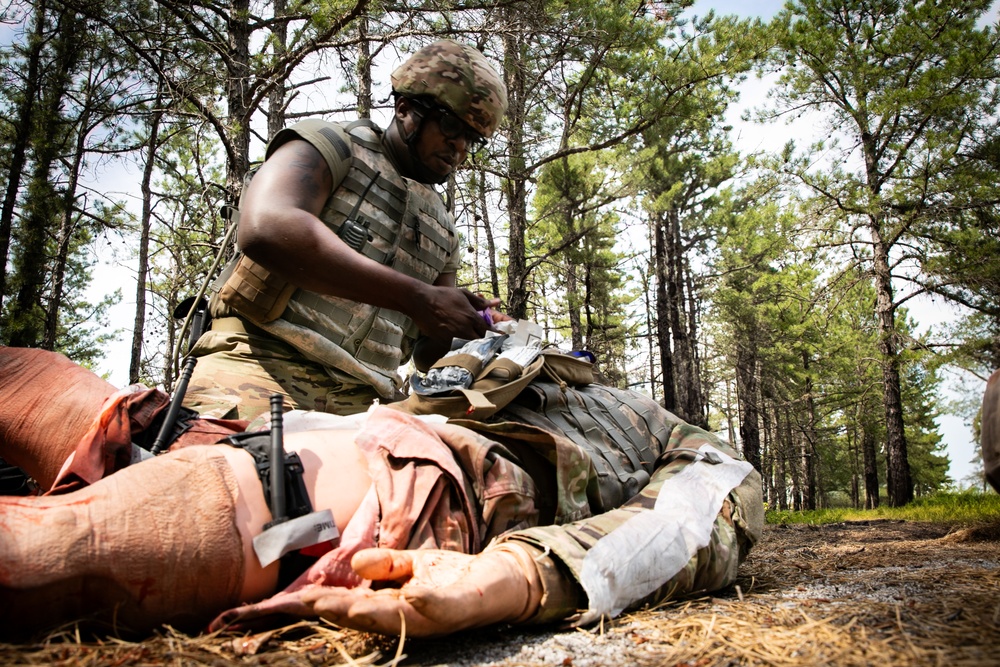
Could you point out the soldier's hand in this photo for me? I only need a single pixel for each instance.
(433, 592)
(450, 312)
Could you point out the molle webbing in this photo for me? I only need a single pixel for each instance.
(365, 139)
(624, 450)
(409, 227)
(329, 139)
(409, 230)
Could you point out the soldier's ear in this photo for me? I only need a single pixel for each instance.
(408, 120)
(403, 108)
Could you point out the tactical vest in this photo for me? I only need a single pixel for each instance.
(623, 432)
(627, 436)
(409, 229)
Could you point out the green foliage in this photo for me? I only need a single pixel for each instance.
(967, 507)
(619, 119)
(909, 92)
(185, 239)
(928, 464)
(573, 241)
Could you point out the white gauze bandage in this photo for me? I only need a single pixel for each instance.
(651, 547)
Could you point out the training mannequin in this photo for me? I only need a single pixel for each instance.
(437, 522)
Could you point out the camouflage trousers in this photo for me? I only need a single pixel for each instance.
(237, 372)
(567, 492)
(560, 551)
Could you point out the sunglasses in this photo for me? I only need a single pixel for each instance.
(453, 127)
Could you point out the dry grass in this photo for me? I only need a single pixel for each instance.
(869, 593)
(863, 593)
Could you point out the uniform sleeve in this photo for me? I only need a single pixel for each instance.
(685, 532)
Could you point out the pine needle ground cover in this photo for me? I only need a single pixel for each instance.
(875, 591)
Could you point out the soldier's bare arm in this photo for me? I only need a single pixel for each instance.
(280, 229)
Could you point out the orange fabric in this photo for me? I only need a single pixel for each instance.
(107, 446)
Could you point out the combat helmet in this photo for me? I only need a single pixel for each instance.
(459, 78)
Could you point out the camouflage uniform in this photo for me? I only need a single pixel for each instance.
(237, 373)
(322, 352)
(586, 517)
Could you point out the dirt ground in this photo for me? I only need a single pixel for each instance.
(861, 593)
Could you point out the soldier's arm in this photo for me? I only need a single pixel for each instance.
(280, 229)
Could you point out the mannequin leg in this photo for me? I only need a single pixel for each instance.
(158, 542)
(47, 404)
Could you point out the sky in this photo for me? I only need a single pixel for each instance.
(748, 137)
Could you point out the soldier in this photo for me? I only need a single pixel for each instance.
(989, 434)
(603, 502)
(349, 254)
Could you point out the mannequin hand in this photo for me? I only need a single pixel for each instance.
(439, 592)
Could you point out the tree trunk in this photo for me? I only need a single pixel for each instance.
(808, 474)
(515, 186)
(650, 348)
(238, 97)
(781, 464)
(697, 406)
(729, 413)
(663, 315)
(574, 302)
(854, 454)
(898, 480)
(20, 137)
(768, 466)
(871, 468)
(675, 316)
(145, 226)
(364, 70)
(25, 313)
(276, 96)
(64, 238)
(793, 454)
(491, 249)
(809, 440)
(26, 323)
(747, 390)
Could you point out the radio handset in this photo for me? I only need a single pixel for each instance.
(354, 233)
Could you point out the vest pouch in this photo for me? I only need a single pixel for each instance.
(254, 292)
(495, 389)
(565, 369)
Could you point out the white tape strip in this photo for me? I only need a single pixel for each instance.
(297, 533)
(140, 454)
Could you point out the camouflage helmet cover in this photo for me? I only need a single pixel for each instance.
(459, 78)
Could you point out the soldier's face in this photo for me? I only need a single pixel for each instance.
(439, 153)
(443, 141)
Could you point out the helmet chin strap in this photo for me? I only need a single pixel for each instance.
(419, 170)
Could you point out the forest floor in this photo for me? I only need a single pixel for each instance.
(883, 592)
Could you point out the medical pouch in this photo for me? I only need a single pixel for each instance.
(497, 384)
